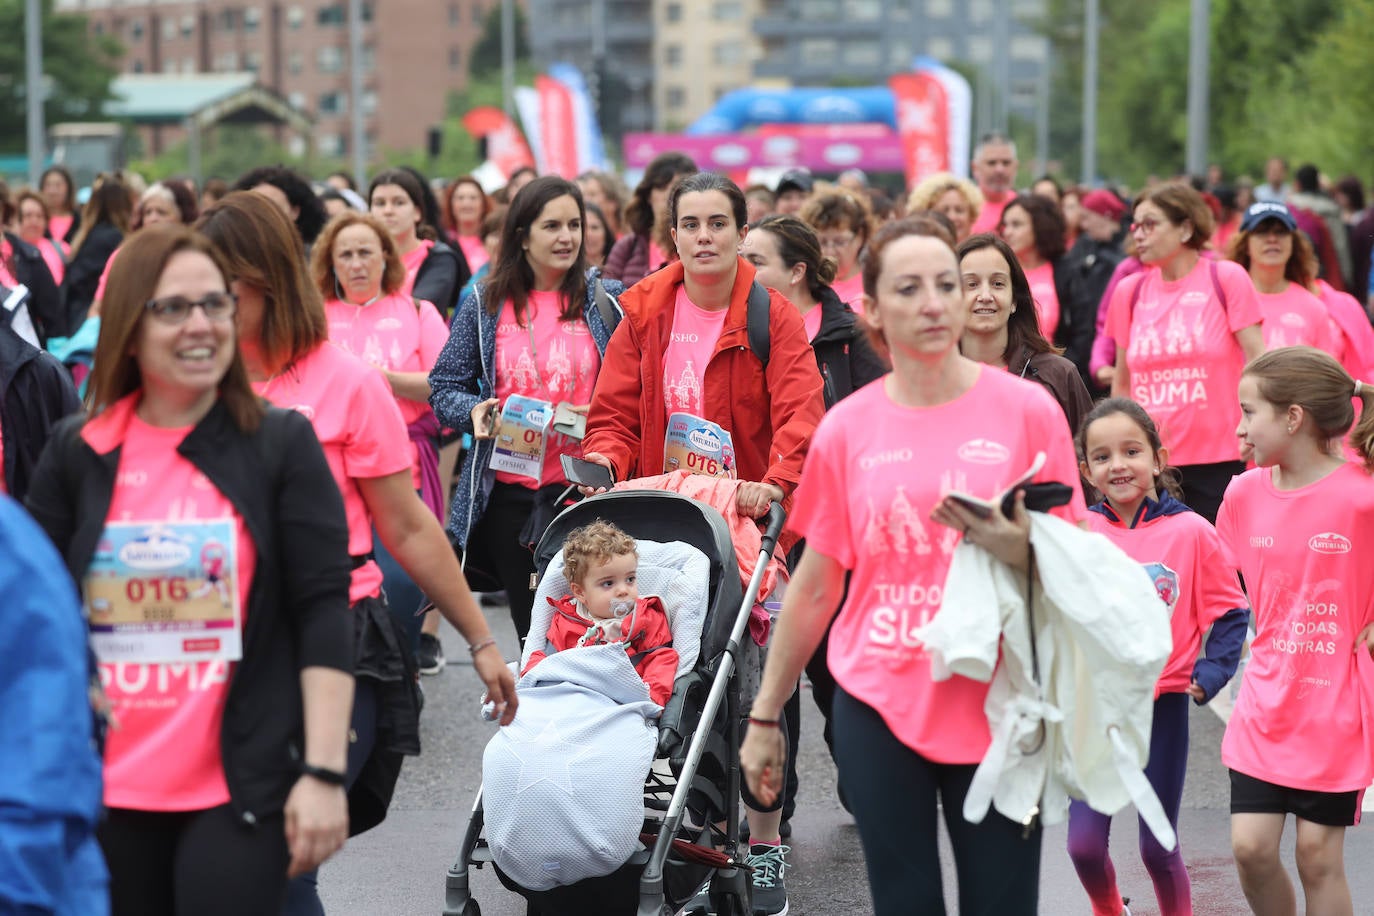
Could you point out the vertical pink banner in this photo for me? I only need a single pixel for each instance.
(922, 122)
(557, 127)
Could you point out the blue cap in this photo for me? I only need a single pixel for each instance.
(1267, 209)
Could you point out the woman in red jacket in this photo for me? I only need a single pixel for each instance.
(681, 387)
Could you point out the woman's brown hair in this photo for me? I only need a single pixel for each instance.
(322, 255)
(1182, 203)
(109, 203)
(133, 280)
(1313, 380)
(1302, 261)
(446, 215)
(511, 276)
(261, 248)
(840, 209)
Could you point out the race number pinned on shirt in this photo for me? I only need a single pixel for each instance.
(697, 445)
(166, 593)
(524, 431)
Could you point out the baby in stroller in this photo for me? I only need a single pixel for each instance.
(601, 564)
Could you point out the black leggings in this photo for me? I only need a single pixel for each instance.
(895, 793)
(494, 548)
(193, 863)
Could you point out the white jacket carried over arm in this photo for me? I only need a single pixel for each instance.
(1102, 637)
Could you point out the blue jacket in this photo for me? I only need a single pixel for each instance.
(50, 781)
(465, 375)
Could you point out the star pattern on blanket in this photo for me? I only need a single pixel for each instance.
(547, 757)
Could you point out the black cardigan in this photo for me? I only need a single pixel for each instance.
(37, 393)
(846, 360)
(441, 277)
(297, 612)
(83, 275)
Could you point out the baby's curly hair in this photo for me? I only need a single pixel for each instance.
(594, 543)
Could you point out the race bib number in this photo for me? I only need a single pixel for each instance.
(524, 431)
(697, 445)
(165, 593)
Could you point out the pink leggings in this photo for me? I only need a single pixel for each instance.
(1089, 830)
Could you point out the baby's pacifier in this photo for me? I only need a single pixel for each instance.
(622, 608)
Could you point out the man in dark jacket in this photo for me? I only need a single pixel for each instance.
(1085, 271)
(35, 392)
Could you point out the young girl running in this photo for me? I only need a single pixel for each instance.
(1123, 458)
(1300, 529)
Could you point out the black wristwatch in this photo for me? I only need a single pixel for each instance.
(332, 777)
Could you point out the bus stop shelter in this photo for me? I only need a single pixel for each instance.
(197, 102)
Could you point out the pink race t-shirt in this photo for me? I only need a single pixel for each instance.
(413, 261)
(396, 334)
(1046, 298)
(1295, 318)
(1353, 337)
(104, 277)
(1184, 360)
(874, 473)
(53, 255)
(990, 217)
(58, 226)
(549, 359)
(1184, 557)
(690, 347)
(165, 753)
(812, 322)
(656, 257)
(851, 291)
(473, 251)
(360, 428)
(1303, 717)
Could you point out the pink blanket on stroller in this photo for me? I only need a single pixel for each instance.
(719, 494)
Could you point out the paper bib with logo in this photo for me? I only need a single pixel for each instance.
(166, 592)
(524, 433)
(697, 445)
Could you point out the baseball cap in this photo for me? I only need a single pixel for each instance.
(1267, 209)
(795, 180)
(1103, 203)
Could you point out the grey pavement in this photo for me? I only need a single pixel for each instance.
(398, 868)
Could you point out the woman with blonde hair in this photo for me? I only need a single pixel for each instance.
(955, 198)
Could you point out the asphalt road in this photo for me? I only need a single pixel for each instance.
(398, 869)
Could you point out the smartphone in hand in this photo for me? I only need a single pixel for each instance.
(586, 473)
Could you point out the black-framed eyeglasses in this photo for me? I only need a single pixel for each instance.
(176, 309)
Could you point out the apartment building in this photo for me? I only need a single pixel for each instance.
(414, 53)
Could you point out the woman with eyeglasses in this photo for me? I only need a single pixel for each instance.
(1184, 328)
(843, 223)
(284, 337)
(360, 274)
(210, 545)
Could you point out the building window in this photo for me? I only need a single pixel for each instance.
(252, 61)
(329, 59)
(980, 49)
(729, 53)
(296, 99)
(672, 55)
(188, 26)
(99, 27)
(818, 9)
(818, 49)
(980, 10)
(188, 65)
(676, 97)
(169, 29)
(455, 59)
(138, 66)
(1028, 47)
(295, 17)
(252, 17)
(369, 58)
(367, 102)
(226, 20)
(673, 12)
(455, 15)
(865, 10)
(136, 29)
(330, 144)
(333, 103)
(939, 9)
(940, 48)
(728, 11)
(862, 53)
(331, 15)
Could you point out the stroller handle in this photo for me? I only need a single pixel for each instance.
(777, 517)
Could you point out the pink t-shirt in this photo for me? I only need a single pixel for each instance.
(360, 428)
(1184, 557)
(395, 334)
(873, 475)
(413, 261)
(1295, 318)
(1046, 298)
(656, 257)
(6, 256)
(53, 258)
(104, 277)
(474, 251)
(851, 291)
(1352, 336)
(165, 754)
(693, 342)
(549, 359)
(1184, 360)
(812, 322)
(58, 226)
(990, 217)
(1303, 717)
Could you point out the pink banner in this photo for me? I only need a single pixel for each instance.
(922, 122)
(829, 149)
(557, 128)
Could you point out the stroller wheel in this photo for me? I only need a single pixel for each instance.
(472, 909)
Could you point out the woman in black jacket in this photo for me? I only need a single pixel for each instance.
(104, 223)
(209, 540)
(435, 272)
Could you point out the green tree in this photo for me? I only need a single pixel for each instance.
(79, 67)
(486, 54)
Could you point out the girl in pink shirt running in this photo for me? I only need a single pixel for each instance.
(1300, 529)
(1123, 457)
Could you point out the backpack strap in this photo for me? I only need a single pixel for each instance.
(610, 316)
(756, 322)
(1216, 285)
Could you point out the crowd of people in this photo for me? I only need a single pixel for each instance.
(276, 430)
